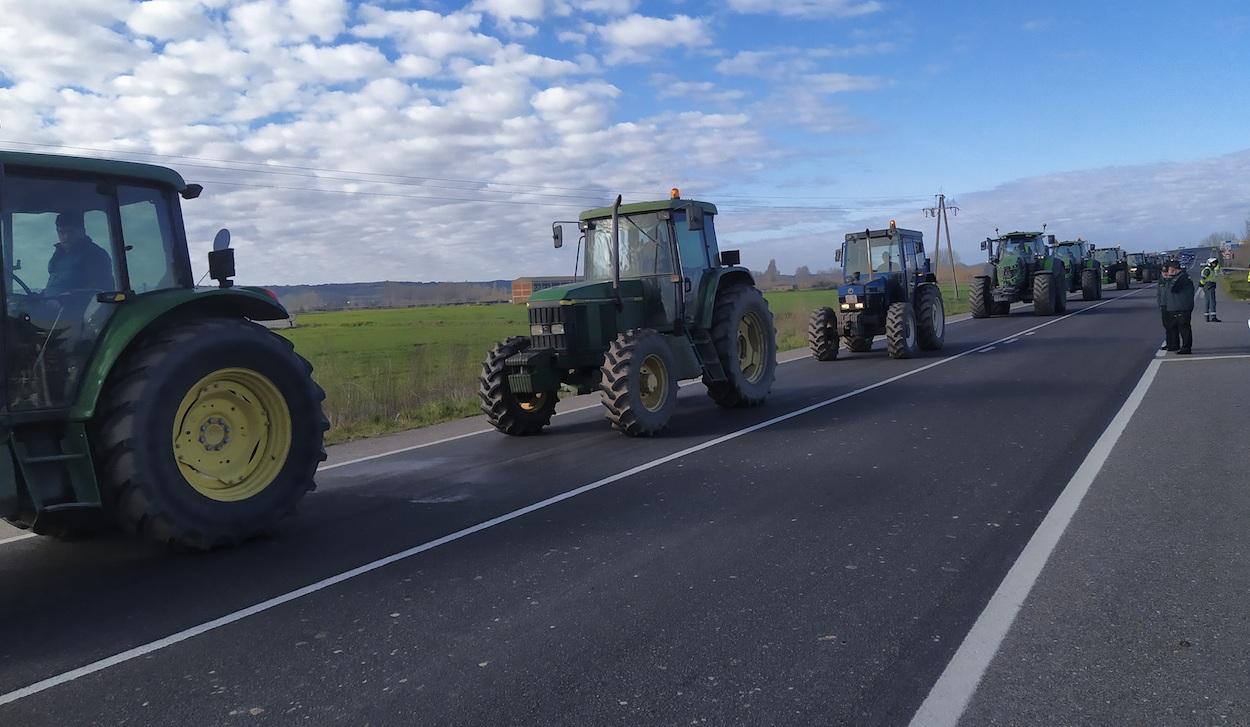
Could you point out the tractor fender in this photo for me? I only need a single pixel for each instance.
(719, 279)
(143, 313)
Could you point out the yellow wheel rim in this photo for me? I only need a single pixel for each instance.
(653, 383)
(531, 402)
(751, 347)
(231, 434)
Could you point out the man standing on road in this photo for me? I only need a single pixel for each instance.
(1206, 281)
(1176, 303)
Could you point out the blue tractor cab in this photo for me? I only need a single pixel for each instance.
(888, 289)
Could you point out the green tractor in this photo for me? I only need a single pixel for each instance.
(1144, 267)
(1114, 266)
(1020, 268)
(1084, 273)
(656, 303)
(888, 288)
(131, 396)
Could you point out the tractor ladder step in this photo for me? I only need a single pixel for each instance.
(708, 356)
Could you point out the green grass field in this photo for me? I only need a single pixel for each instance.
(385, 370)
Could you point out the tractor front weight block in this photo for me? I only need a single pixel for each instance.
(537, 372)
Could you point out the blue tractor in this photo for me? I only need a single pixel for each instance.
(888, 289)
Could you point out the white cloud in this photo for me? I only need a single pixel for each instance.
(807, 8)
(169, 19)
(635, 38)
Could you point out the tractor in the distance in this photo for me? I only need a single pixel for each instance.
(131, 396)
(888, 288)
(1084, 274)
(1144, 267)
(656, 302)
(1114, 266)
(1020, 268)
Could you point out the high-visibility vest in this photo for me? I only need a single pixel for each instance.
(1206, 275)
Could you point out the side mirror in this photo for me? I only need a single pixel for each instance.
(557, 235)
(221, 259)
(730, 257)
(222, 239)
(694, 217)
(192, 191)
(985, 244)
(837, 255)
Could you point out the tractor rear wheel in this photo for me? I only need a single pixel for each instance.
(1089, 285)
(207, 433)
(1121, 280)
(900, 331)
(637, 385)
(859, 344)
(980, 300)
(515, 414)
(1043, 294)
(931, 312)
(746, 341)
(822, 334)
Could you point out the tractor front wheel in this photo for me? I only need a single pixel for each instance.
(207, 433)
(1089, 285)
(1121, 280)
(637, 385)
(1044, 299)
(515, 414)
(932, 314)
(900, 331)
(746, 342)
(979, 299)
(822, 334)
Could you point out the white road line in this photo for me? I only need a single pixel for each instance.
(954, 688)
(987, 349)
(1012, 340)
(16, 538)
(488, 430)
(1186, 359)
(276, 601)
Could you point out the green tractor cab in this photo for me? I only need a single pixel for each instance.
(131, 396)
(1084, 273)
(1114, 266)
(655, 303)
(1144, 267)
(1020, 268)
(889, 288)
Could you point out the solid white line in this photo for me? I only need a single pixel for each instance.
(16, 538)
(239, 615)
(954, 689)
(1186, 359)
(987, 349)
(412, 448)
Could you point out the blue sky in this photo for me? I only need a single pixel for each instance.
(1115, 121)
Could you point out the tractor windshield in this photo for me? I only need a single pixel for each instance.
(1107, 257)
(864, 257)
(1067, 253)
(1021, 246)
(1136, 258)
(645, 247)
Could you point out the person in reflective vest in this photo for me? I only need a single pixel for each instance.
(1206, 281)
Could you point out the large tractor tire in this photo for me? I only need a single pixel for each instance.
(1121, 280)
(980, 300)
(900, 331)
(1043, 294)
(746, 341)
(859, 344)
(638, 385)
(207, 433)
(1090, 287)
(822, 334)
(515, 414)
(931, 315)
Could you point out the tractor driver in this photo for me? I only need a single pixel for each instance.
(78, 263)
(887, 263)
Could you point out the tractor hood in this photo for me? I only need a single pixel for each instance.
(875, 284)
(597, 290)
(1011, 268)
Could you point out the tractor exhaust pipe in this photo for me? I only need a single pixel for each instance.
(616, 252)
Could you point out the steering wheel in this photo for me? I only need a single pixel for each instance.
(22, 283)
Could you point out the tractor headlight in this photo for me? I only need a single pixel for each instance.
(846, 306)
(536, 330)
(557, 329)
(859, 306)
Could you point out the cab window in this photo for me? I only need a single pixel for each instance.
(146, 228)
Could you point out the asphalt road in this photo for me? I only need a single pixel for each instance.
(814, 561)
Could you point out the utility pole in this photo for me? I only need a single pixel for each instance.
(939, 211)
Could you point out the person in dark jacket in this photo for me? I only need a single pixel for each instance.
(78, 264)
(1176, 303)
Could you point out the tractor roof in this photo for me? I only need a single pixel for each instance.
(1021, 234)
(87, 165)
(883, 233)
(636, 207)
